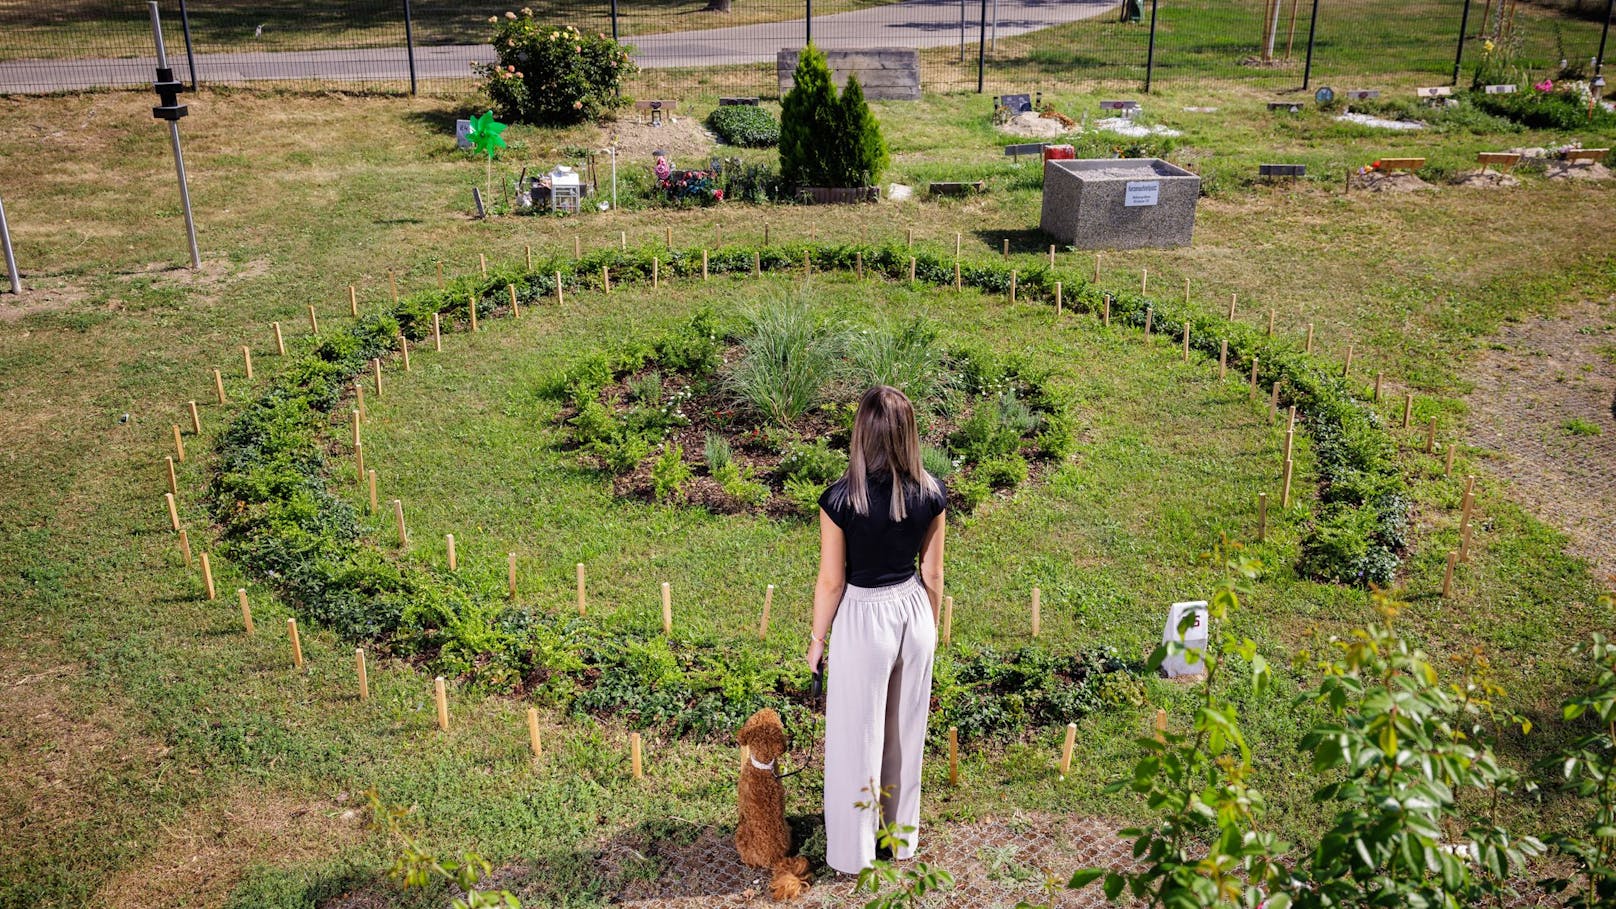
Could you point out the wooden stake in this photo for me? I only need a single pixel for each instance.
(948, 620)
(1291, 425)
(1273, 403)
(448, 542)
(765, 233)
(1186, 291)
(1453, 449)
(1464, 542)
(1007, 248)
(173, 482)
(1057, 297)
(376, 367)
(704, 265)
(179, 445)
(1105, 316)
(440, 276)
(1096, 268)
(1290, 440)
(622, 240)
(1149, 314)
(372, 474)
(561, 299)
(440, 693)
(218, 385)
(533, 734)
(635, 763)
(353, 301)
(398, 518)
(909, 237)
(196, 420)
(392, 279)
(956, 244)
(359, 402)
(1051, 255)
(953, 756)
(1233, 298)
(437, 332)
(1430, 438)
(667, 609)
(1012, 286)
(1144, 280)
(1223, 358)
(1309, 347)
(529, 249)
(510, 573)
(359, 461)
(606, 279)
(1161, 725)
(246, 358)
(958, 284)
(1262, 516)
(911, 269)
(1447, 576)
(1186, 341)
(364, 677)
(314, 322)
(1271, 315)
(656, 273)
(1253, 394)
(404, 348)
(471, 309)
(297, 643)
(1285, 493)
(280, 343)
(173, 512)
(1036, 611)
(207, 576)
(581, 593)
(757, 264)
(1346, 370)
(357, 417)
(246, 610)
(185, 546)
(669, 237)
(1408, 409)
(858, 265)
(1066, 750)
(768, 601)
(577, 247)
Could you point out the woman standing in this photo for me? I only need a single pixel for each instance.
(875, 523)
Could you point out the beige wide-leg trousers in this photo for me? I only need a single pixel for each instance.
(878, 692)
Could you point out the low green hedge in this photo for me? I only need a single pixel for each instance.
(279, 519)
(745, 125)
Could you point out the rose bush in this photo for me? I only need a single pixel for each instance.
(552, 76)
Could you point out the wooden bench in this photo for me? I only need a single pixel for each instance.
(1360, 94)
(1409, 164)
(885, 73)
(1585, 155)
(956, 189)
(1281, 171)
(1294, 107)
(656, 109)
(1504, 161)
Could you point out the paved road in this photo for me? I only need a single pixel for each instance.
(907, 23)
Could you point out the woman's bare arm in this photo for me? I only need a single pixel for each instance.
(931, 563)
(830, 585)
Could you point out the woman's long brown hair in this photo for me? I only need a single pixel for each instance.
(885, 440)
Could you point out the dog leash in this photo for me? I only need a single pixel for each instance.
(816, 692)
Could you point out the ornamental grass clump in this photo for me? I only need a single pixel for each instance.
(545, 75)
(788, 361)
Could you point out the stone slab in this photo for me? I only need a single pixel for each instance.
(885, 73)
(1119, 203)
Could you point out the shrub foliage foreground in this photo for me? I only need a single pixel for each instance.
(281, 520)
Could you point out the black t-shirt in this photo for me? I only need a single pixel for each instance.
(880, 551)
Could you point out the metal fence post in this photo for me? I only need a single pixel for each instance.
(1599, 61)
(614, 20)
(11, 258)
(1312, 25)
(1458, 56)
(1150, 49)
(409, 42)
(982, 48)
(808, 23)
(190, 55)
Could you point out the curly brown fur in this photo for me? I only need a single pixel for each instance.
(762, 837)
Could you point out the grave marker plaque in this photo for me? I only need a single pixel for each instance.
(463, 134)
(1506, 89)
(1193, 638)
(1016, 104)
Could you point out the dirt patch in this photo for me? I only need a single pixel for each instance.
(1576, 170)
(1542, 407)
(1033, 125)
(1395, 182)
(34, 301)
(1486, 179)
(682, 136)
(202, 860)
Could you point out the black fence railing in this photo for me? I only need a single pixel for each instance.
(729, 46)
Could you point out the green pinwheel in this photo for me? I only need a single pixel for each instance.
(485, 137)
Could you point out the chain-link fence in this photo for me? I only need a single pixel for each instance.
(729, 46)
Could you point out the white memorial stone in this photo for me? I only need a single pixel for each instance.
(1194, 638)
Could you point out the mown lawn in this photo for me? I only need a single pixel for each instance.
(153, 727)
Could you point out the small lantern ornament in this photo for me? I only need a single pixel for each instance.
(1595, 88)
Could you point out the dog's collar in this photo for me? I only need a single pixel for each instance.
(766, 768)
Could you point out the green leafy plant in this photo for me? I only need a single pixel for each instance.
(1587, 767)
(415, 868)
(826, 140)
(909, 883)
(1577, 426)
(646, 388)
(745, 125)
(804, 495)
(670, 473)
(1003, 471)
(549, 75)
(716, 452)
(905, 356)
(936, 461)
(817, 463)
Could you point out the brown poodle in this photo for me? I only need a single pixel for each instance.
(762, 837)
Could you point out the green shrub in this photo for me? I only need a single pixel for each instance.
(697, 347)
(994, 429)
(1342, 547)
(1577, 426)
(716, 452)
(1562, 110)
(804, 495)
(593, 422)
(1004, 471)
(549, 76)
(817, 463)
(670, 472)
(745, 125)
(904, 356)
(826, 141)
(646, 388)
(972, 493)
(936, 461)
(621, 452)
(736, 483)
(787, 362)
(1057, 440)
